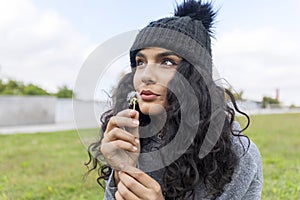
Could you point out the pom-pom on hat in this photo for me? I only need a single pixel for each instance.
(188, 33)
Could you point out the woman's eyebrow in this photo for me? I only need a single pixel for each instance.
(160, 55)
(139, 54)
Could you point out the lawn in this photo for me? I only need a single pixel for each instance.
(45, 166)
(278, 138)
(50, 165)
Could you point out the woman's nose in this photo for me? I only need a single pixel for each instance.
(149, 76)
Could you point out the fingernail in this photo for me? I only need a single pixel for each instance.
(134, 148)
(119, 172)
(135, 122)
(132, 112)
(136, 140)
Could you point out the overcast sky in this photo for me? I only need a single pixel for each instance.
(256, 47)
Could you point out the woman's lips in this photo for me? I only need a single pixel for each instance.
(148, 95)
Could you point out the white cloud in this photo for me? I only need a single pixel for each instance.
(39, 46)
(259, 61)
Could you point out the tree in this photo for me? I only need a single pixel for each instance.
(237, 95)
(64, 92)
(269, 101)
(2, 86)
(34, 90)
(12, 87)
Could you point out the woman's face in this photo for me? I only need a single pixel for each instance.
(155, 67)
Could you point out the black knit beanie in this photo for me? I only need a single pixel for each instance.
(188, 34)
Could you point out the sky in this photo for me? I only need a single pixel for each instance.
(255, 47)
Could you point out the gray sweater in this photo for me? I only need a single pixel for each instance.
(246, 184)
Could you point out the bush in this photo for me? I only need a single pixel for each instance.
(13, 87)
(64, 92)
(269, 101)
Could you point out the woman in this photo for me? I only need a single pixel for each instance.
(180, 141)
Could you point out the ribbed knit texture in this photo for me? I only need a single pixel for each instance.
(183, 35)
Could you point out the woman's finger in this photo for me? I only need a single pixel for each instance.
(120, 134)
(141, 177)
(132, 184)
(127, 113)
(125, 192)
(120, 121)
(118, 196)
(108, 148)
(119, 144)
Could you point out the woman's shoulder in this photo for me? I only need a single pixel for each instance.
(247, 180)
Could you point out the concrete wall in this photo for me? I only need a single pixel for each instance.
(89, 110)
(29, 110)
(87, 113)
(25, 110)
(64, 111)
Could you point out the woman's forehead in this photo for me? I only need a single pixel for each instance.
(156, 50)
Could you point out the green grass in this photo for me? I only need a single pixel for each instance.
(278, 138)
(45, 166)
(50, 165)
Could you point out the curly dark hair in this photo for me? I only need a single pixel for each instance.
(181, 177)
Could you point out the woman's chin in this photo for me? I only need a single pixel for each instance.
(151, 108)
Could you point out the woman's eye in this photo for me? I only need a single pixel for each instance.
(169, 62)
(140, 62)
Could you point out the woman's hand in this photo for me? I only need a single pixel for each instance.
(135, 184)
(120, 146)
